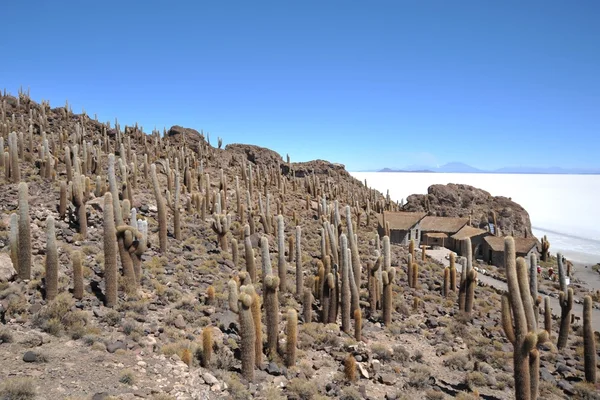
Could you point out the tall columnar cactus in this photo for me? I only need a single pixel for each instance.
(545, 248)
(307, 299)
(24, 252)
(271, 284)
(299, 279)
(77, 275)
(14, 240)
(589, 343)
(233, 295)
(356, 265)
(79, 202)
(62, 202)
(387, 306)
(468, 280)
(51, 260)
(110, 252)
(258, 343)
(374, 283)
(533, 286)
(411, 248)
(162, 210)
(291, 338)
(247, 333)
(15, 171)
(452, 272)
(249, 255)
(346, 292)
(221, 225)
(235, 255)
(281, 264)
(446, 287)
(357, 325)
(547, 316)
(176, 208)
(207, 345)
(566, 305)
(520, 326)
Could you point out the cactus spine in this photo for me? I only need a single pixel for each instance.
(291, 338)
(110, 252)
(589, 343)
(24, 253)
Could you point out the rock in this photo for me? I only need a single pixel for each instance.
(566, 387)
(35, 308)
(7, 270)
(273, 369)
(101, 396)
(179, 322)
(30, 357)
(209, 379)
(387, 379)
(546, 375)
(363, 370)
(112, 347)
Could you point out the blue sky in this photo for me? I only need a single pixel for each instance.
(368, 84)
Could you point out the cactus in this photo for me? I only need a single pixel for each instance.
(249, 255)
(14, 240)
(62, 203)
(388, 279)
(235, 256)
(566, 305)
(110, 252)
(520, 327)
(79, 203)
(411, 248)
(468, 280)
(350, 368)
(298, 262)
(452, 272)
(77, 275)
(233, 296)
(161, 210)
(221, 225)
(356, 265)
(446, 287)
(176, 208)
(291, 338)
(24, 253)
(357, 325)
(207, 345)
(307, 306)
(547, 316)
(210, 296)
(374, 284)
(51, 260)
(258, 344)
(533, 286)
(545, 248)
(271, 284)
(247, 333)
(281, 264)
(346, 300)
(589, 343)
(15, 170)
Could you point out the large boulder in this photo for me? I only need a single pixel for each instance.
(256, 154)
(457, 200)
(179, 135)
(7, 270)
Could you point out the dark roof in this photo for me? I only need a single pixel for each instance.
(468, 232)
(443, 224)
(401, 220)
(522, 245)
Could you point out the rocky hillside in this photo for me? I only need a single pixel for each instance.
(457, 200)
(158, 266)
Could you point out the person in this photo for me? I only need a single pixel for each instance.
(539, 269)
(550, 272)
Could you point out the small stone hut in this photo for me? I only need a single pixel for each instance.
(436, 231)
(468, 232)
(493, 249)
(404, 226)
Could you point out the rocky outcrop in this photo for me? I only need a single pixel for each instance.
(191, 137)
(255, 154)
(454, 200)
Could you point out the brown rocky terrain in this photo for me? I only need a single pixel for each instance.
(412, 341)
(458, 200)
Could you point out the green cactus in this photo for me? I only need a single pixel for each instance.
(221, 225)
(271, 285)
(249, 255)
(24, 253)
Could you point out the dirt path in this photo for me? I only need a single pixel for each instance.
(440, 256)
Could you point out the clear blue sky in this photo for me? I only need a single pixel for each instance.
(367, 84)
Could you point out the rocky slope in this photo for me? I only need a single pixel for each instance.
(457, 200)
(151, 344)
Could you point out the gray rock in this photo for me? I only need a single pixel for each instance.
(546, 375)
(112, 347)
(387, 379)
(7, 270)
(273, 369)
(30, 357)
(209, 379)
(179, 322)
(101, 396)
(566, 387)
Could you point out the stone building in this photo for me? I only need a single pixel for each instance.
(493, 249)
(404, 226)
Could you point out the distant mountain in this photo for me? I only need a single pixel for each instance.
(458, 167)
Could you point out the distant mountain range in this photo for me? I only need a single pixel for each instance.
(458, 167)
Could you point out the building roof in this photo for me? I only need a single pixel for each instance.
(438, 235)
(522, 245)
(401, 220)
(468, 232)
(443, 224)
